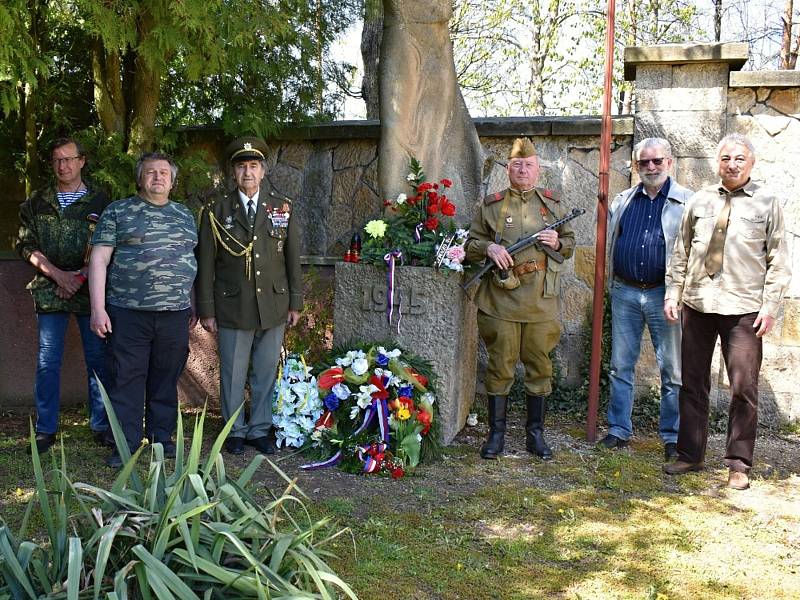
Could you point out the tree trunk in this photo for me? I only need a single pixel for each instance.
(786, 38)
(146, 94)
(371, 36)
(718, 20)
(108, 98)
(28, 106)
(36, 10)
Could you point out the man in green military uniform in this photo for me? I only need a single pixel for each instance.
(518, 304)
(56, 224)
(249, 287)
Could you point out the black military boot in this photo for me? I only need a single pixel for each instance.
(493, 446)
(534, 429)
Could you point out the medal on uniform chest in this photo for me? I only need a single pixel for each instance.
(280, 245)
(228, 222)
(543, 212)
(279, 217)
(509, 221)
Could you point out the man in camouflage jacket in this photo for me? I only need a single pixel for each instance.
(56, 225)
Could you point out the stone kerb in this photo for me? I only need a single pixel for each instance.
(435, 321)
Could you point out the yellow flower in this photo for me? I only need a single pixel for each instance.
(403, 413)
(376, 228)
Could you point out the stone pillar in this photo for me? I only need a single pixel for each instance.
(692, 95)
(681, 95)
(422, 111)
(435, 322)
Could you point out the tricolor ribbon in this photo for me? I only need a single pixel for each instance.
(378, 408)
(390, 259)
(365, 455)
(418, 232)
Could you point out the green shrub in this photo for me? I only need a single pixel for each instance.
(189, 532)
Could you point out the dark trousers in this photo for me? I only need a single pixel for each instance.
(741, 350)
(148, 352)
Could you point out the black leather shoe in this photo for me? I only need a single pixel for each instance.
(114, 460)
(611, 442)
(43, 442)
(234, 445)
(670, 451)
(265, 445)
(103, 438)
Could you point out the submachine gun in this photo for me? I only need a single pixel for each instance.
(526, 242)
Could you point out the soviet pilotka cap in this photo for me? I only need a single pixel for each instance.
(522, 148)
(246, 148)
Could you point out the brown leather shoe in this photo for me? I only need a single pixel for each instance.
(679, 467)
(738, 480)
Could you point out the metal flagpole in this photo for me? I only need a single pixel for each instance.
(602, 220)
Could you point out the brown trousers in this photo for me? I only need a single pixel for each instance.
(741, 350)
(508, 342)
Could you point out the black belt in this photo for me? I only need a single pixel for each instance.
(639, 284)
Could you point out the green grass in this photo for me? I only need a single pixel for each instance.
(589, 524)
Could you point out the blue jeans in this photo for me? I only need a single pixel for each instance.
(47, 389)
(631, 308)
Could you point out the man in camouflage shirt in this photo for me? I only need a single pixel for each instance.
(140, 277)
(55, 227)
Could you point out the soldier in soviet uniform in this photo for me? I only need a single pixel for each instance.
(249, 287)
(518, 303)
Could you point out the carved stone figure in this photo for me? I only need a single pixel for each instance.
(422, 111)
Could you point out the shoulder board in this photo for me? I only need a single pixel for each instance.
(280, 197)
(492, 198)
(549, 194)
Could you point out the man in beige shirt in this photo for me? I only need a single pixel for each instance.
(729, 270)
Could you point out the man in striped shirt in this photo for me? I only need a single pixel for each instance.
(56, 224)
(644, 223)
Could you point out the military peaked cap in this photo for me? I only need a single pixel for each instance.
(246, 148)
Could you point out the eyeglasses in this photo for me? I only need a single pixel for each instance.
(656, 161)
(64, 161)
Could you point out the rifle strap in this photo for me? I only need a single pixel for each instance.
(498, 230)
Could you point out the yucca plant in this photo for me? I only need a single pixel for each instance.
(188, 532)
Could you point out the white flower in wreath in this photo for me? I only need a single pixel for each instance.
(317, 435)
(429, 398)
(364, 395)
(401, 198)
(341, 391)
(347, 359)
(354, 412)
(360, 366)
(411, 177)
(389, 353)
(392, 380)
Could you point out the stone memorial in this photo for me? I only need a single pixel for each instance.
(431, 317)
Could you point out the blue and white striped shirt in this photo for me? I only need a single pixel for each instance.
(67, 198)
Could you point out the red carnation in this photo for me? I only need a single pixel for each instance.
(446, 183)
(432, 209)
(433, 197)
(431, 223)
(448, 209)
(424, 187)
(387, 202)
(397, 472)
